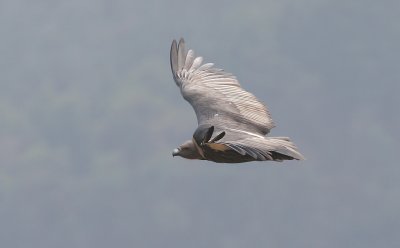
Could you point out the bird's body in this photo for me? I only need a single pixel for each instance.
(232, 123)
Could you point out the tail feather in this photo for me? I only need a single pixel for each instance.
(282, 147)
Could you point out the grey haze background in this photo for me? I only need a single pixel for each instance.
(90, 115)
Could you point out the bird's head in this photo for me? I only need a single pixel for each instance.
(187, 150)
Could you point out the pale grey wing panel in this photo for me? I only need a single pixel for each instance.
(215, 95)
(264, 148)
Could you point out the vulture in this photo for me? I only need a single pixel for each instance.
(232, 123)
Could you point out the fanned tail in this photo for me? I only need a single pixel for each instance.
(283, 149)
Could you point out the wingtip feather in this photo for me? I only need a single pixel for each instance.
(181, 54)
(174, 57)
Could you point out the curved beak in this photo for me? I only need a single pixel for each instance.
(175, 152)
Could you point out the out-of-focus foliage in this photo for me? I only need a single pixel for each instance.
(89, 115)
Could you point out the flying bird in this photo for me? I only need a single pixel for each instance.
(232, 123)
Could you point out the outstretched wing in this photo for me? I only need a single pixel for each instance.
(237, 146)
(261, 148)
(215, 95)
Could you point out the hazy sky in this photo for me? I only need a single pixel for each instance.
(90, 115)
